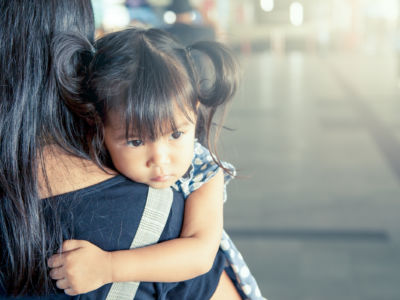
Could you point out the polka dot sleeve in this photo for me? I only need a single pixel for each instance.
(202, 169)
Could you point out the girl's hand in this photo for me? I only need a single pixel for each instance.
(81, 267)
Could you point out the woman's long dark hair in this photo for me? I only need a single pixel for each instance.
(33, 115)
(144, 73)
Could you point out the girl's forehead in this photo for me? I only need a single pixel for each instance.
(116, 119)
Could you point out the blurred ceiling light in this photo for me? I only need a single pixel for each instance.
(115, 16)
(112, 2)
(267, 5)
(296, 14)
(388, 9)
(195, 17)
(169, 17)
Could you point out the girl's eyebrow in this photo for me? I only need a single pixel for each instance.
(121, 135)
(183, 124)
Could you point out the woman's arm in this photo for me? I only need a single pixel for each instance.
(82, 266)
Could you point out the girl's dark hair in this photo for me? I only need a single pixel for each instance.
(143, 74)
(33, 114)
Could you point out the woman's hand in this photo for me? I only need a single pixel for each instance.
(81, 267)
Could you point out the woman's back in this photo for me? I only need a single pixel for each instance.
(108, 214)
(32, 116)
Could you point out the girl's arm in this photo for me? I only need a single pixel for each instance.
(83, 267)
(225, 289)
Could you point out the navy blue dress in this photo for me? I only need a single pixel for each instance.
(108, 215)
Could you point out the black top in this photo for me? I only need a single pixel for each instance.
(108, 215)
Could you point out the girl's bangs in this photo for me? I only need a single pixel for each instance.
(153, 97)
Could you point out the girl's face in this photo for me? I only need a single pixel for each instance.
(158, 163)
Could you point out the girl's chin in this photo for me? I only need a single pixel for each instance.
(162, 183)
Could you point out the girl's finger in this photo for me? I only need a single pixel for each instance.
(62, 284)
(55, 261)
(57, 273)
(70, 245)
(70, 292)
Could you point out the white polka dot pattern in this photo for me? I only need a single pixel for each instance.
(246, 289)
(245, 272)
(198, 177)
(198, 161)
(224, 245)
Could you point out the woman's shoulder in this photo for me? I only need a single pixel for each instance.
(66, 173)
(118, 184)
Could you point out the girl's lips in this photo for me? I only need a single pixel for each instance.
(161, 178)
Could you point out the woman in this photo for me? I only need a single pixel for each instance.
(50, 188)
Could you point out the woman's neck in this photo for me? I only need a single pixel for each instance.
(66, 173)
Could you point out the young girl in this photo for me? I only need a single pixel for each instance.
(154, 99)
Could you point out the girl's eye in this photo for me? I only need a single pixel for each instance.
(135, 143)
(176, 135)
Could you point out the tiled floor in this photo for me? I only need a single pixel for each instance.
(317, 210)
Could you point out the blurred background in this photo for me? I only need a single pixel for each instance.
(316, 123)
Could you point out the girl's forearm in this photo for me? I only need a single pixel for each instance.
(183, 258)
(175, 260)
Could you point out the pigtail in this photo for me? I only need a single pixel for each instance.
(218, 83)
(217, 74)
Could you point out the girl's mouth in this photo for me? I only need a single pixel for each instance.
(162, 178)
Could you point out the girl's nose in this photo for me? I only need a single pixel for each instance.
(159, 154)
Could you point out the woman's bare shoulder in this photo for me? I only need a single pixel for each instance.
(67, 173)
